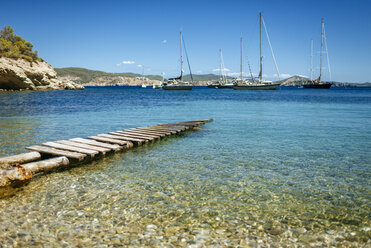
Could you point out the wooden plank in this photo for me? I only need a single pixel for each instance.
(181, 128)
(91, 153)
(58, 152)
(101, 150)
(158, 129)
(134, 138)
(110, 136)
(164, 131)
(98, 144)
(147, 133)
(187, 123)
(139, 135)
(7, 162)
(175, 127)
(124, 139)
(110, 140)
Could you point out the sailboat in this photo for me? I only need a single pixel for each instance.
(159, 85)
(177, 83)
(222, 83)
(260, 85)
(317, 84)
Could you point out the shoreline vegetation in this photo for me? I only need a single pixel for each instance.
(15, 47)
(21, 68)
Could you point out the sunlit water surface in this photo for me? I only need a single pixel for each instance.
(287, 167)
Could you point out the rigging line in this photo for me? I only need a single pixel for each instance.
(223, 69)
(248, 63)
(220, 65)
(269, 42)
(189, 66)
(328, 59)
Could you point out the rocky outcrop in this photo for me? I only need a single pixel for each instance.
(23, 75)
(294, 81)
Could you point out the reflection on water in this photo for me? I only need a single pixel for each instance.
(265, 172)
(16, 133)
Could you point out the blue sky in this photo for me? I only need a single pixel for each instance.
(101, 35)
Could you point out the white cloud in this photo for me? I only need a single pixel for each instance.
(164, 41)
(140, 66)
(235, 74)
(118, 64)
(224, 69)
(283, 75)
(303, 76)
(128, 62)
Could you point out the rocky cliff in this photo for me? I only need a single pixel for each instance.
(19, 74)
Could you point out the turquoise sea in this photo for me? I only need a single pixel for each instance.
(290, 168)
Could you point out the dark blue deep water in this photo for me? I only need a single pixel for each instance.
(286, 167)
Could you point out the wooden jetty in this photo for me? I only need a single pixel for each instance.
(17, 169)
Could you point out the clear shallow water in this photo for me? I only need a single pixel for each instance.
(290, 166)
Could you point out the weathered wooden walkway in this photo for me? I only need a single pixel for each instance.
(62, 153)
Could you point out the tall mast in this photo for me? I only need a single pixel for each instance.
(181, 57)
(220, 66)
(261, 58)
(320, 66)
(311, 59)
(223, 72)
(241, 61)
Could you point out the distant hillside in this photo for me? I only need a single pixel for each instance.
(86, 76)
(94, 77)
(293, 81)
(364, 85)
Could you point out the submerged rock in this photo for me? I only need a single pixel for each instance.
(19, 74)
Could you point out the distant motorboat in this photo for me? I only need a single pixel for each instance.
(143, 86)
(156, 86)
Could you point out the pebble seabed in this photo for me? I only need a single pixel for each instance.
(107, 204)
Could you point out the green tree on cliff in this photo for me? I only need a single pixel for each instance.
(14, 46)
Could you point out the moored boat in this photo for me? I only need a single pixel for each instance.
(260, 85)
(321, 85)
(177, 86)
(178, 83)
(317, 83)
(222, 83)
(257, 86)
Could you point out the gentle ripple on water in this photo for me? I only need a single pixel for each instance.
(274, 168)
